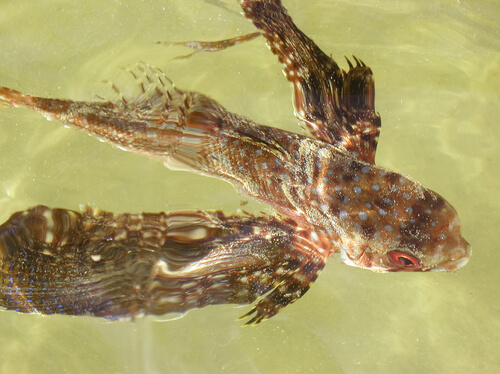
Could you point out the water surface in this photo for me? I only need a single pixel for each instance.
(436, 65)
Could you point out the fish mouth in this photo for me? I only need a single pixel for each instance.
(463, 253)
(452, 265)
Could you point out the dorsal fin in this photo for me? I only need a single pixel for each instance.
(335, 106)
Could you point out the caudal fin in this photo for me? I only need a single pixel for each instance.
(153, 118)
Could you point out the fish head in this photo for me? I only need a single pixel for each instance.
(414, 230)
(433, 242)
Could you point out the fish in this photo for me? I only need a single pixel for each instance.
(326, 193)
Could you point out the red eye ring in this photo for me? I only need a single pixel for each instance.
(404, 260)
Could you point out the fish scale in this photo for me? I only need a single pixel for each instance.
(327, 195)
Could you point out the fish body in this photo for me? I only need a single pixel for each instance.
(327, 192)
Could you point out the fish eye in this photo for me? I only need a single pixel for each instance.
(405, 260)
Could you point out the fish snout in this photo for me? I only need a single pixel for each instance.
(457, 257)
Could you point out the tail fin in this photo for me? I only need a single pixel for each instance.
(174, 126)
(184, 130)
(10, 97)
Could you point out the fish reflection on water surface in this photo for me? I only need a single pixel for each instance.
(326, 191)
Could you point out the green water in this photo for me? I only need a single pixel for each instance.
(436, 66)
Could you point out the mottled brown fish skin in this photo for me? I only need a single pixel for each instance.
(327, 193)
(368, 211)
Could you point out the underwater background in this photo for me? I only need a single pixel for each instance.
(437, 72)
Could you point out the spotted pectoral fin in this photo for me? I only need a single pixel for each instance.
(126, 265)
(292, 276)
(336, 106)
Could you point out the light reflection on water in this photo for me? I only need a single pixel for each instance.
(436, 67)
